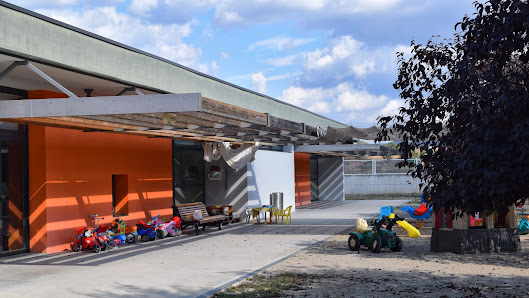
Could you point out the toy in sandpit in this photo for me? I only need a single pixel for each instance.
(376, 238)
(388, 212)
(523, 228)
(423, 212)
(170, 228)
(420, 213)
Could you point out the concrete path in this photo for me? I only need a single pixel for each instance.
(184, 266)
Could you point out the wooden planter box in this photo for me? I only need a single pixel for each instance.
(480, 240)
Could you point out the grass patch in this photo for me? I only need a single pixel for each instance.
(267, 286)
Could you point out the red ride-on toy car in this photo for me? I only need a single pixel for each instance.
(85, 239)
(95, 239)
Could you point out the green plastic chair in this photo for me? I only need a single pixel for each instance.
(286, 213)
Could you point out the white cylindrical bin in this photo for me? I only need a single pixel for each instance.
(276, 199)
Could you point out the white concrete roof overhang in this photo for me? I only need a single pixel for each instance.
(182, 116)
(178, 116)
(31, 36)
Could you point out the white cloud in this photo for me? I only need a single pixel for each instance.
(343, 101)
(342, 97)
(258, 82)
(350, 99)
(342, 59)
(282, 76)
(347, 56)
(301, 96)
(320, 107)
(286, 60)
(224, 56)
(142, 7)
(31, 4)
(210, 69)
(163, 40)
(243, 12)
(392, 108)
(279, 43)
(168, 11)
(44, 4)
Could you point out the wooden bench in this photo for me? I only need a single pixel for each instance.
(186, 212)
(221, 209)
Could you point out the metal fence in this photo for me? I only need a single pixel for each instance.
(375, 167)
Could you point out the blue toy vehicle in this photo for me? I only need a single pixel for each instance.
(146, 232)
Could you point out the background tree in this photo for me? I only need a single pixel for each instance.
(468, 111)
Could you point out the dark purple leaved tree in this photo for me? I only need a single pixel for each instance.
(468, 111)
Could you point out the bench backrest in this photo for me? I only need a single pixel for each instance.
(186, 211)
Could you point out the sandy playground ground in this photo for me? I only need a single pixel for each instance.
(330, 269)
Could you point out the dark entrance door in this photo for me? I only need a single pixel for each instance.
(14, 228)
(188, 172)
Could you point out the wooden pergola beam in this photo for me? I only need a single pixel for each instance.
(233, 112)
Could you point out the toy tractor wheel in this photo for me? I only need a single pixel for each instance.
(76, 247)
(96, 248)
(178, 231)
(144, 237)
(398, 245)
(377, 245)
(354, 243)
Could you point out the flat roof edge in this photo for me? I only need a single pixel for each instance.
(124, 46)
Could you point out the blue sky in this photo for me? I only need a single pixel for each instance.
(332, 57)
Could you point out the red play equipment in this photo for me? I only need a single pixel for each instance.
(86, 238)
(421, 210)
(420, 213)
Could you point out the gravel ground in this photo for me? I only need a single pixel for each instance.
(335, 271)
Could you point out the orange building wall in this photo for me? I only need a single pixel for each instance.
(302, 178)
(70, 177)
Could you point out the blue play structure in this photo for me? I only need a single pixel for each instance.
(421, 213)
(523, 228)
(385, 211)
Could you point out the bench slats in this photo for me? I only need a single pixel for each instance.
(186, 213)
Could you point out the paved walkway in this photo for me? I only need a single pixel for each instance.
(184, 266)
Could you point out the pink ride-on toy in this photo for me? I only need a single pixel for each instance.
(171, 228)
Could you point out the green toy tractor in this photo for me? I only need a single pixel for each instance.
(378, 237)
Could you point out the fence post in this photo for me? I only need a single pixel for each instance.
(373, 166)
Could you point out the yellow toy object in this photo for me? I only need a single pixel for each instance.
(412, 231)
(361, 225)
(285, 213)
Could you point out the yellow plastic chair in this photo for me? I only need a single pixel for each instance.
(286, 213)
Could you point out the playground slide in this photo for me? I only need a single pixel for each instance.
(412, 231)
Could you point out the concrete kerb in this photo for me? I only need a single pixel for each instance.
(251, 274)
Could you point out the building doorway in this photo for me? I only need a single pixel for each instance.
(14, 202)
(188, 172)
